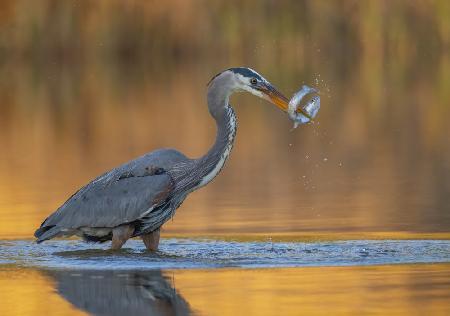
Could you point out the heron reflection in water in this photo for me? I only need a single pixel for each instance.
(120, 292)
(138, 197)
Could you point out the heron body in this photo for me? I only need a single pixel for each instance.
(138, 197)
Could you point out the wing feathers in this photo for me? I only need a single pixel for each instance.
(111, 204)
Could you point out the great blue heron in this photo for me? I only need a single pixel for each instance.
(138, 197)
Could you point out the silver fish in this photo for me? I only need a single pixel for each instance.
(309, 110)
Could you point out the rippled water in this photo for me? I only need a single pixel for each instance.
(190, 253)
(222, 277)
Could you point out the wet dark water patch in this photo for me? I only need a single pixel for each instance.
(188, 254)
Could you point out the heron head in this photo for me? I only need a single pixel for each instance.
(249, 80)
(243, 79)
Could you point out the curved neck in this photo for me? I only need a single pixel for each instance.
(197, 173)
(212, 163)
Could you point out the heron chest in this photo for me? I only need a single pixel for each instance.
(217, 168)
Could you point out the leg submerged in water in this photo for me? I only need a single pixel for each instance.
(120, 235)
(151, 240)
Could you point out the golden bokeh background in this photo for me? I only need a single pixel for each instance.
(87, 85)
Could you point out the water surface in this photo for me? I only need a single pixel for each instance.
(219, 277)
(202, 254)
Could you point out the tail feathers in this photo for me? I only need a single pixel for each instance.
(47, 232)
(41, 230)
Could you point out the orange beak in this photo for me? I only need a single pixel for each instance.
(279, 99)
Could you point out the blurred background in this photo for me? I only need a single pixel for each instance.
(88, 85)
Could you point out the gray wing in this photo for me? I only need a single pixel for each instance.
(120, 196)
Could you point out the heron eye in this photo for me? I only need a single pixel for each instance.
(253, 81)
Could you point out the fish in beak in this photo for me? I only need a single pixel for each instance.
(274, 96)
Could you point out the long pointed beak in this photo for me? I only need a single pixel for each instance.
(277, 98)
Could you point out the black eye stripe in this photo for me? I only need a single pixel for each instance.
(246, 72)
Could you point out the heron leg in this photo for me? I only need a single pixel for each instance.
(120, 235)
(151, 240)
